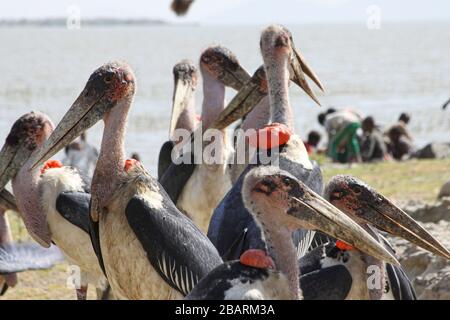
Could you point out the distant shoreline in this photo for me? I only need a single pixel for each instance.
(62, 22)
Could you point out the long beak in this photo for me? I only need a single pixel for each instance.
(85, 112)
(235, 78)
(183, 92)
(388, 217)
(321, 215)
(299, 69)
(7, 201)
(244, 101)
(12, 158)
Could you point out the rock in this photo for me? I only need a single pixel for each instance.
(430, 274)
(434, 286)
(445, 190)
(429, 212)
(435, 150)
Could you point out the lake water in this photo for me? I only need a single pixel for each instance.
(401, 67)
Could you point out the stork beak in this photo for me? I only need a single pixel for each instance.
(299, 69)
(388, 217)
(85, 112)
(12, 158)
(7, 201)
(318, 214)
(244, 101)
(183, 92)
(235, 77)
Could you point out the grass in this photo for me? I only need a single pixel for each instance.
(415, 179)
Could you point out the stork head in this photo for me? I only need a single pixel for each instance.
(27, 134)
(277, 48)
(186, 76)
(221, 64)
(24, 140)
(367, 206)
(274, 195)
(111, 86)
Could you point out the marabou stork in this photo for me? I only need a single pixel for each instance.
(280, 204)
(51, 200)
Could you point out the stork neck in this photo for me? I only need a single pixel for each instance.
(26, 190)
(111, 160)
(276, 66)
(259, 116)
(213, 99)
(281, 249)
(187, 119)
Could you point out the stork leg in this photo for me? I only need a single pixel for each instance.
(82, 292)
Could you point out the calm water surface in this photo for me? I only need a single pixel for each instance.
(402, 67)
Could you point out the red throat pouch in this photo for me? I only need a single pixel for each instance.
(51, 164)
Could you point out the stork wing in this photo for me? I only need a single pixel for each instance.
(175, 247)
(332, 283)
(19, 257)
(399, 283)
(175, 178)
(3, 289)
(165, 158)
(401, 286)
(74, 207)
(218, 281)
(229, 221)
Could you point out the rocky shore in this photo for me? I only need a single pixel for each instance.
(429, 273)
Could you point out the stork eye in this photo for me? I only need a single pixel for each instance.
(108, 79)
(357, 189)
(336, 195)
(288, 182)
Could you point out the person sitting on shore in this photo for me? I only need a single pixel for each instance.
(312, 142)
(342, 127)
(402, 126)
(399, 145)
(373, 147)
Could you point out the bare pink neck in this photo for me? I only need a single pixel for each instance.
(111, 160)
(277, 71)
(281, 248)
(188, 119)
(213, 99)
(259, 116)
(26, 190)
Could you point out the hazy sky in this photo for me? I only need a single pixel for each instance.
(236, 11)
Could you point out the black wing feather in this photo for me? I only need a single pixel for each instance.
(218, 281)
(399, 283)
(74, 207)
(175, 178)
(333, 283)
(175, 247)
(165, 157)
